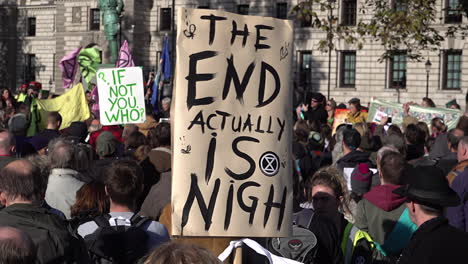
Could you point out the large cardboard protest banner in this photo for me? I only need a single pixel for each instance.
(379, 109)
(232, 125)
(121, 96)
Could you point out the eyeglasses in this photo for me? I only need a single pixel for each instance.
(329, 105)
(314, 101)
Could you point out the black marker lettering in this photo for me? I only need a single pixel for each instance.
(208, 121)
(232, 76)
(261, 89)
(210, 158)
(269, 126)
(249, 209)
(206, 212)
(193, 77)
(212, 19)
(282, 125)
(198, 120)
(227, 218)
(236, 32)
(235, 148)
(259, 123)
(247, 123)
(258, 45)
(281, 206)
(239, 124)
(224, 115)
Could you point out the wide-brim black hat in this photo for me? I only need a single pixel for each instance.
(429, 186)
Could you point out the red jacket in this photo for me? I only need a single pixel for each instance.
(115, 130)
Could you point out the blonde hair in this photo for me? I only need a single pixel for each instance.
(362, 128)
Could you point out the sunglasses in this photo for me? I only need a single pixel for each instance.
(314, 101)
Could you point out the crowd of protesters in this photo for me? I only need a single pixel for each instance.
(101, 194)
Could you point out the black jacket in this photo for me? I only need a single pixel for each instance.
(50, 234)
(319, 114)
(436, 241)
(352, 159)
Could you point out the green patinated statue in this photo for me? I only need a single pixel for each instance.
(111, 11)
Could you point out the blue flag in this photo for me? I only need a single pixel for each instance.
(154, 94)
(166, 60)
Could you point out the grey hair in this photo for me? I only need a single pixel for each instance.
(383, 150)
(166, 100)
(62, 154)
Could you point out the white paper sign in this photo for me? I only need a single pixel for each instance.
(121, 96)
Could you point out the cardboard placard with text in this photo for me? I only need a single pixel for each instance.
(121, 96)
(231, 126)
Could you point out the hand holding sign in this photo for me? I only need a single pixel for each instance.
(121, 96)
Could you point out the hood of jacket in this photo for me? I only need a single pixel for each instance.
(383, 197)
(355, 156)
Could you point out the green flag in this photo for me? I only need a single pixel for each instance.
(89, 59)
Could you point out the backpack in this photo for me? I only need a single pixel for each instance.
(302, 246)
(118, 244)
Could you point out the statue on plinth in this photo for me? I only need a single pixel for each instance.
(111, 11)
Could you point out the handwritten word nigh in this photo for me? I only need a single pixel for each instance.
(234, 108)
(120, 92)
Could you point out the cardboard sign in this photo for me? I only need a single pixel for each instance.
(121, 96)
(232, 125)
(425, 114)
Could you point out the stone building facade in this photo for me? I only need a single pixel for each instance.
(36, 34)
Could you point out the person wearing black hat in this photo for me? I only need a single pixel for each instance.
(435, 241)
(355, 114)
(314, 111)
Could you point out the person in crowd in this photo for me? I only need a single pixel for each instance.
(361, 181)
(314, 111)
(449, 161)
(180, 253)
(159, 139)
(380, 212)
(91, 201)
(150, 121)
(328, 192)
(435, 241)
(337, 152)
(94, 126)
(356, 115)
(6, 98)
(21, 96)
(352, 156)
(21, 196)
(425, 129)
(115, 130)
(330, 108)
(165, 111)
(133, 141)
(427, 102)
(64, 179)
(365, 133)
(107, 149)
(301, 132)
(455, 106)
(41, 140)
(16, 246)
(462, 157)
(77, 132)
(123, 185)
(7, 148)
(415, 143)
(129, 129)
(18, 126)
(458, 179)
(439, 129)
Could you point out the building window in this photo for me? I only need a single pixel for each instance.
(349, 13)
(398, 70)
(204, 7)
(452, 69)
(453, 13)
(348, 69)
(305, 68)
(31, 26)
(400, 5)
(95, 19)
(282, 10)
(243, 9)
(165, 19)
(30, 67)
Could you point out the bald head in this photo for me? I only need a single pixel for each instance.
(20, 181)
(7, 142)
(16, 246)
